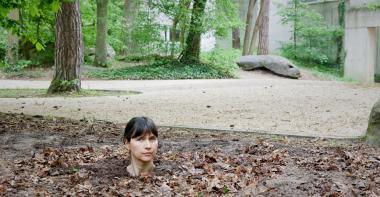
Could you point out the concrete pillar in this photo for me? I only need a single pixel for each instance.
(360, 54)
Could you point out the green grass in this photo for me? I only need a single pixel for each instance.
(28, 93)
(217, 64)
(377, 78)
(322, 71)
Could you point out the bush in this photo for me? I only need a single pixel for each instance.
(20, 65)
(223, 60)
(313, 41)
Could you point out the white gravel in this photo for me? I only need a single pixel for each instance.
(272, 105)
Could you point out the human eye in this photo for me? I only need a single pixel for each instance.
(152, 138)
(139, 139)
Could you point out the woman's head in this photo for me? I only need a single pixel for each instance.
(139, 126)
(140, 135)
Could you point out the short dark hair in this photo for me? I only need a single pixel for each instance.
(138, 126)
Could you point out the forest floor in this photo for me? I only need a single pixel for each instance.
(57, 156)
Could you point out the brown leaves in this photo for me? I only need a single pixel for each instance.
(188, 164)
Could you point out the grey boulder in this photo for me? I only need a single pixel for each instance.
(373, 131)
(277, 64)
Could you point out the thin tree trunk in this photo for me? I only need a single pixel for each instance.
(183, 25)
(101, 33)
(193, 42)
(173, 35)
(264, 30)
(248, 26)
(236, 38)
(68, 49)
(130, 10)
(256, 29)
(12, 51)
(340, 47)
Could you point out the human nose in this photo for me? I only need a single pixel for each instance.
(148, 144)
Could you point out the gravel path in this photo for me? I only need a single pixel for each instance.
(272, 105)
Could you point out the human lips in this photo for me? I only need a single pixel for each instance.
(148, 154)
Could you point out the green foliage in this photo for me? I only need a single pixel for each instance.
(3, 43)
(116, 28)
(57, 86)
(166, 68)
(222, 59)
(373, 5)
(20, 65)
(221, 16)
(377, 78)
(36, 20)
(321, 71)
(312, 40)
(146, 34)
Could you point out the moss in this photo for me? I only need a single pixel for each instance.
(64, 86)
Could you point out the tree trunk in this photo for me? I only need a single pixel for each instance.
(256, 29)
(101, 33)
(68, 49)
(248, 26)
(173, 35)
(264, 29)
(183, 24)
(130, 10)
(193, 41)
(339, 41)
(236, 38)
(12, 51)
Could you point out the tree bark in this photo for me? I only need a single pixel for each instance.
(264, 30)
(130, 10)
(12, 50)
(101, 33)
(248, 26)
(193, 41)
(236, 38)
(173, 35)
(68, 49)
(256, 29)
(183, 25)
(340, 47)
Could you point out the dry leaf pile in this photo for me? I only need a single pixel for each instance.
(59, 157)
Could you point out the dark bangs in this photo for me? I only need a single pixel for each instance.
(139, 126)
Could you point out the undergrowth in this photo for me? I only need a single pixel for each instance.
(217, 64)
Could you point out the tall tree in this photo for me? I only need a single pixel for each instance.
(264, 29)
(248, 26)
(12, 51)
(68, 49)
(130, 12)
(101, 33)
(193, 41)
(256, 28)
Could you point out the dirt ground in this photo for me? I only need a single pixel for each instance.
(56, 156)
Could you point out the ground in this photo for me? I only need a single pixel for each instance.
(269, 105)
(213, 139)
(42, 156)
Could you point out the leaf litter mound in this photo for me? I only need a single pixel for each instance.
(56, 156)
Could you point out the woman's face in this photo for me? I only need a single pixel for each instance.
(144, 148)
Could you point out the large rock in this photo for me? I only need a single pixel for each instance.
(277, 64)
(373, 131)
(110, 52)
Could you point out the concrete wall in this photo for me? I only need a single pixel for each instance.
(377, 69)
(361, 41)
